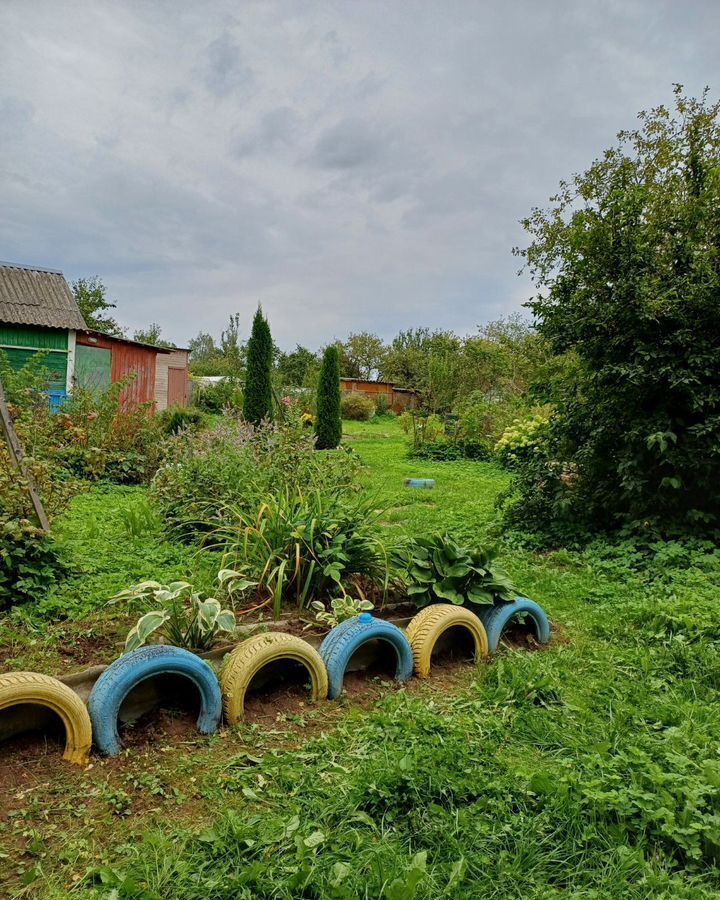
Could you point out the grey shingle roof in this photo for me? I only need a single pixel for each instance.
(34, 296)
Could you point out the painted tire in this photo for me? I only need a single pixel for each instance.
(428, 625)
(249, 657)
(495, 618)
(339, 646)
(41, 690)
(116, 682)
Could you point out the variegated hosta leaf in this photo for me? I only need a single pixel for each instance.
(225, 621)
(177, 586)
(146, 625)
(208, 611)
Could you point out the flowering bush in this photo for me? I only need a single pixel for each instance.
(523, 438)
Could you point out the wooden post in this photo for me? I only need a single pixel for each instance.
(17, 458)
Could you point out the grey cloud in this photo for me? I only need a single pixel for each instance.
(223, 68)
(351, 166)
(348, 145)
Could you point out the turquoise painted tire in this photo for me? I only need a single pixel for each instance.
(338, 647)
(116, 682)
(496, 618)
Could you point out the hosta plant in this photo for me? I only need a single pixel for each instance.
(341, 609)
(179, 616)
(438, 568)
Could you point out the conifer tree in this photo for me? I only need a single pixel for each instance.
(328, 423)
(257, 404)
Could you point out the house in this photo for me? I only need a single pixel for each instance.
(398, 399)
(38, 313)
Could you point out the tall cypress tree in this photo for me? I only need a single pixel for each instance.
(328, 423)
(257, 404)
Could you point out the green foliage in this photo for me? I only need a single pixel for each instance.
(233, 465)
(439, 568)
(220, 396)
(328, 424)
(298, 545)
(446, 450)
(152, 335)
(356, 406)
(176, 614)
(29, 562)
(625, 264)
(341, 609)
(257, 403)
(177, 418)
(139, 519)
(294, 369)
(90, 296)
(522, 439)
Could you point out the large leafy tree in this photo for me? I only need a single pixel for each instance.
(328, 421)
(257, 404)
(296, 367)
(91, 298)
(627, 265)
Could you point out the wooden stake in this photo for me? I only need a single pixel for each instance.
(17, 458)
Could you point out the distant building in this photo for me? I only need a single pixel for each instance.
(398, 399)
(38, 313)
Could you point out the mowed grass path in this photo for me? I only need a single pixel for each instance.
(587, 770)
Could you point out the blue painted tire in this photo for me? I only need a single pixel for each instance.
(338, 647)
(496, 618)
(116, 682)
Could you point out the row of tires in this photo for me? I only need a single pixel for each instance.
(413, 649)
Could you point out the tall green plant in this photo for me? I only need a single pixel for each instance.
(328, 423)
(625, 262)
(257, 403)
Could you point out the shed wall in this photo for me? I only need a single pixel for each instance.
(177, 359)
(127, 359)
(20, 343)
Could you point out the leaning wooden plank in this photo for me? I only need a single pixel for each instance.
(17, 457)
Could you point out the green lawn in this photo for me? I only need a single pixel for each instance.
(587, 770)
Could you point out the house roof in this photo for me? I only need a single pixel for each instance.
(30, 295)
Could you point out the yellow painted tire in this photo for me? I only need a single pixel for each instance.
(428, 625)
(29, 687)
(255, 653)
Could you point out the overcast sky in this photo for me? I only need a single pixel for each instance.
(351, 165)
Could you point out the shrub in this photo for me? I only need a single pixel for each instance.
(328, 424)
(180, 616)
(438, 568)
(29, 564)
(257, 403)
(523, 438)
(177, 418)
(298, 545)
(356, 407)
(625, 266)
(233, 464)
(220, 396)
(443, 451)
(381, 405)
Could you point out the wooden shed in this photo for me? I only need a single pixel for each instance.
(102, 360)
(38, 313)
(398, 399)
(171, 379)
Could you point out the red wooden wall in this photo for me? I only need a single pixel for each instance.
(127, 359)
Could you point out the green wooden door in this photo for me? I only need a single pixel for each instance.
(92, 368)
